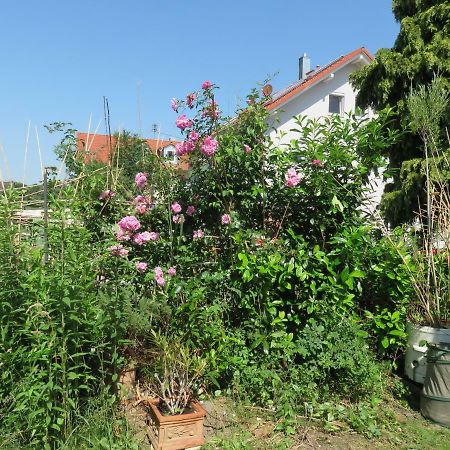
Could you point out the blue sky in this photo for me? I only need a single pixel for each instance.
(60, 58)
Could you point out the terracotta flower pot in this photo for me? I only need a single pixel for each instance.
(175, 432)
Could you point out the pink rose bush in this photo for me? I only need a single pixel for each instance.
(317, 162)
(247, 148)
(206, 84)
(171, 271)
(190, 210)
(226, 219)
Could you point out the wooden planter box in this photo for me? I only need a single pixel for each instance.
(175, 432)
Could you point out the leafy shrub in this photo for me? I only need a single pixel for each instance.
(61, 329)
(255, 258)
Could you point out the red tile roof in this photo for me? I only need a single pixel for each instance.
(313, 77)
(97, 146)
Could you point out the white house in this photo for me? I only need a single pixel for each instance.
(317, 93)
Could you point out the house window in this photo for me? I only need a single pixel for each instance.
(335, 104)
(170, 154)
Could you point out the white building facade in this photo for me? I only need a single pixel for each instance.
(319, 93)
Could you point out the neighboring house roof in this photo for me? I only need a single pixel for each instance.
(97, 146)
(316, 76)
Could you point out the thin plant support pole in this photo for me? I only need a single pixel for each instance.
(45, 216)
(5, 162)
(39, 149)
(429, 219)
(23, 179)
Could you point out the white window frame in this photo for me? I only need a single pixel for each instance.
(341, 103)
(173, 158)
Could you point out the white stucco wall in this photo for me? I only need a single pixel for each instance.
(314, 102)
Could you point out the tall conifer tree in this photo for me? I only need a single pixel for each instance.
(421, 51)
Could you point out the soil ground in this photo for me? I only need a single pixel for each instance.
(234, 426)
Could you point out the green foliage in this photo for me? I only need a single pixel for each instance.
(101, 427)
(420, 52)
(269, 281)
(61, 329)
(274, 298)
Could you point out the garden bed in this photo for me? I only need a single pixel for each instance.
(231, 425)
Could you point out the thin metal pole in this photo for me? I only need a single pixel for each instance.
(45, 216)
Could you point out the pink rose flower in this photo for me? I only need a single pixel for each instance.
(140, 179)
(123, 235)
(176, 218)
(141, 204)
(141, 238)
(206, 84)
(190, 210)
(209, 146)
(129, 223)
(198, 234)
(139, 199)
(153, 236)
(141, 208)
(226, 219)
(176, 207)
(183, 122)
(247, 148)
(106, 194)
(184, 147)
(172, 271)
(174, 104)
(317, 163)
(193, 136)
(118, 250)
(292, 178)
(141, 266)
(190, 100)
(179, 149)
(159, 276)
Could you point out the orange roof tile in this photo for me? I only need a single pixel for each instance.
(313, 77)
(97, 146)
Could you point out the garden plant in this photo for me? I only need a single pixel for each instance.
(256, 262)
